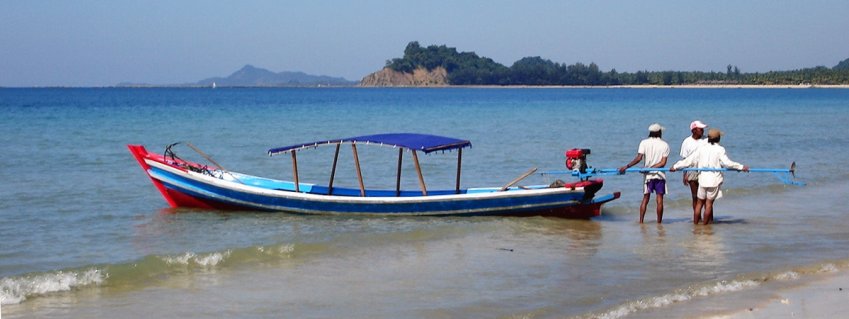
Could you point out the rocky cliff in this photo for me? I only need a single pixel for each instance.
(419, 77)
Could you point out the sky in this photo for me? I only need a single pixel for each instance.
(103, 43)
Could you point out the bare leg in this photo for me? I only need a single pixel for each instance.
(643, 207)
(659, 199)
(708, 211)
(697, 212)
(711, 207)
(694, 189)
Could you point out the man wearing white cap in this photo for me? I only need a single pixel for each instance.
(655, 151)
(688, 146)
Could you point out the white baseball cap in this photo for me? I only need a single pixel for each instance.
(655, 127)
(698, 124)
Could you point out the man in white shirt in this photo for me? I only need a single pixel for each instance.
(655, 151)
(688, 146)
(711, 155)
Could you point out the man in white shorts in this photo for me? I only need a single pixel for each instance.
(711, 155)
(688, 146)
(655, 151)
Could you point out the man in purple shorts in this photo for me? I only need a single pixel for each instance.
(655, 151)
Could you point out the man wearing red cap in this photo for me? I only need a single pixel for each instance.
(688, 146)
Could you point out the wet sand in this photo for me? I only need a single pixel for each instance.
(824, 296)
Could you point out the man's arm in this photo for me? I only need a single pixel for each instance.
(662, 163)
(728, 163)
(633, 162)
(687, 162)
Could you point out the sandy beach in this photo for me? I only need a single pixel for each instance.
(821, 296)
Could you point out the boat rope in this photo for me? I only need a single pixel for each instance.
(208, 158)
(204, 169)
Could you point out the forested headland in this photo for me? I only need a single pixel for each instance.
(467, 68)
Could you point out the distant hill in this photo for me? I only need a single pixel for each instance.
(250, 76)
(843, 65)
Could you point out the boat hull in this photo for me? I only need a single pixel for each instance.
(185, 187)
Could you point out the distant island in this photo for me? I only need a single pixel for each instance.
(444, 66)
(250, 76)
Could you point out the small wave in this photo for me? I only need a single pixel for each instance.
(716, 289)
(668, 299)
(139, 273)
(204, 260)
(785, 276)
(14, 290)
(281, 249)
(723, 287)
(828, 268)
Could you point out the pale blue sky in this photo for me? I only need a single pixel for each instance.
(102, 43)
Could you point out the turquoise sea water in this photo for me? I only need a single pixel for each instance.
(84, 234)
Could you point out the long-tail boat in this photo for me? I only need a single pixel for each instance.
(191, 184)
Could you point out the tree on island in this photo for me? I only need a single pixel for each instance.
(843, 65)
(467, 68)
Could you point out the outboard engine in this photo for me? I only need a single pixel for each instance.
(576, 159)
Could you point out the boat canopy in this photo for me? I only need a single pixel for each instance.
(417, 142)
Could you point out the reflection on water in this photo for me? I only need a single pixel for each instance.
(582, 237)
(656, 231)
(707, 247)
(576, 230)
(653, 245)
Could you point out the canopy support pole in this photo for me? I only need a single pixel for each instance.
(419, 171)
(526, 174)
(459, 165)
(398, 178)
(295, 172)
(359, 172)
(333, 170)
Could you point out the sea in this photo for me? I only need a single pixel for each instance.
(84, 233)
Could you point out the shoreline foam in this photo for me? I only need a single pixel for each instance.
(821, 296)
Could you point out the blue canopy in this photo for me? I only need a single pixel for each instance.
(418, 142)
